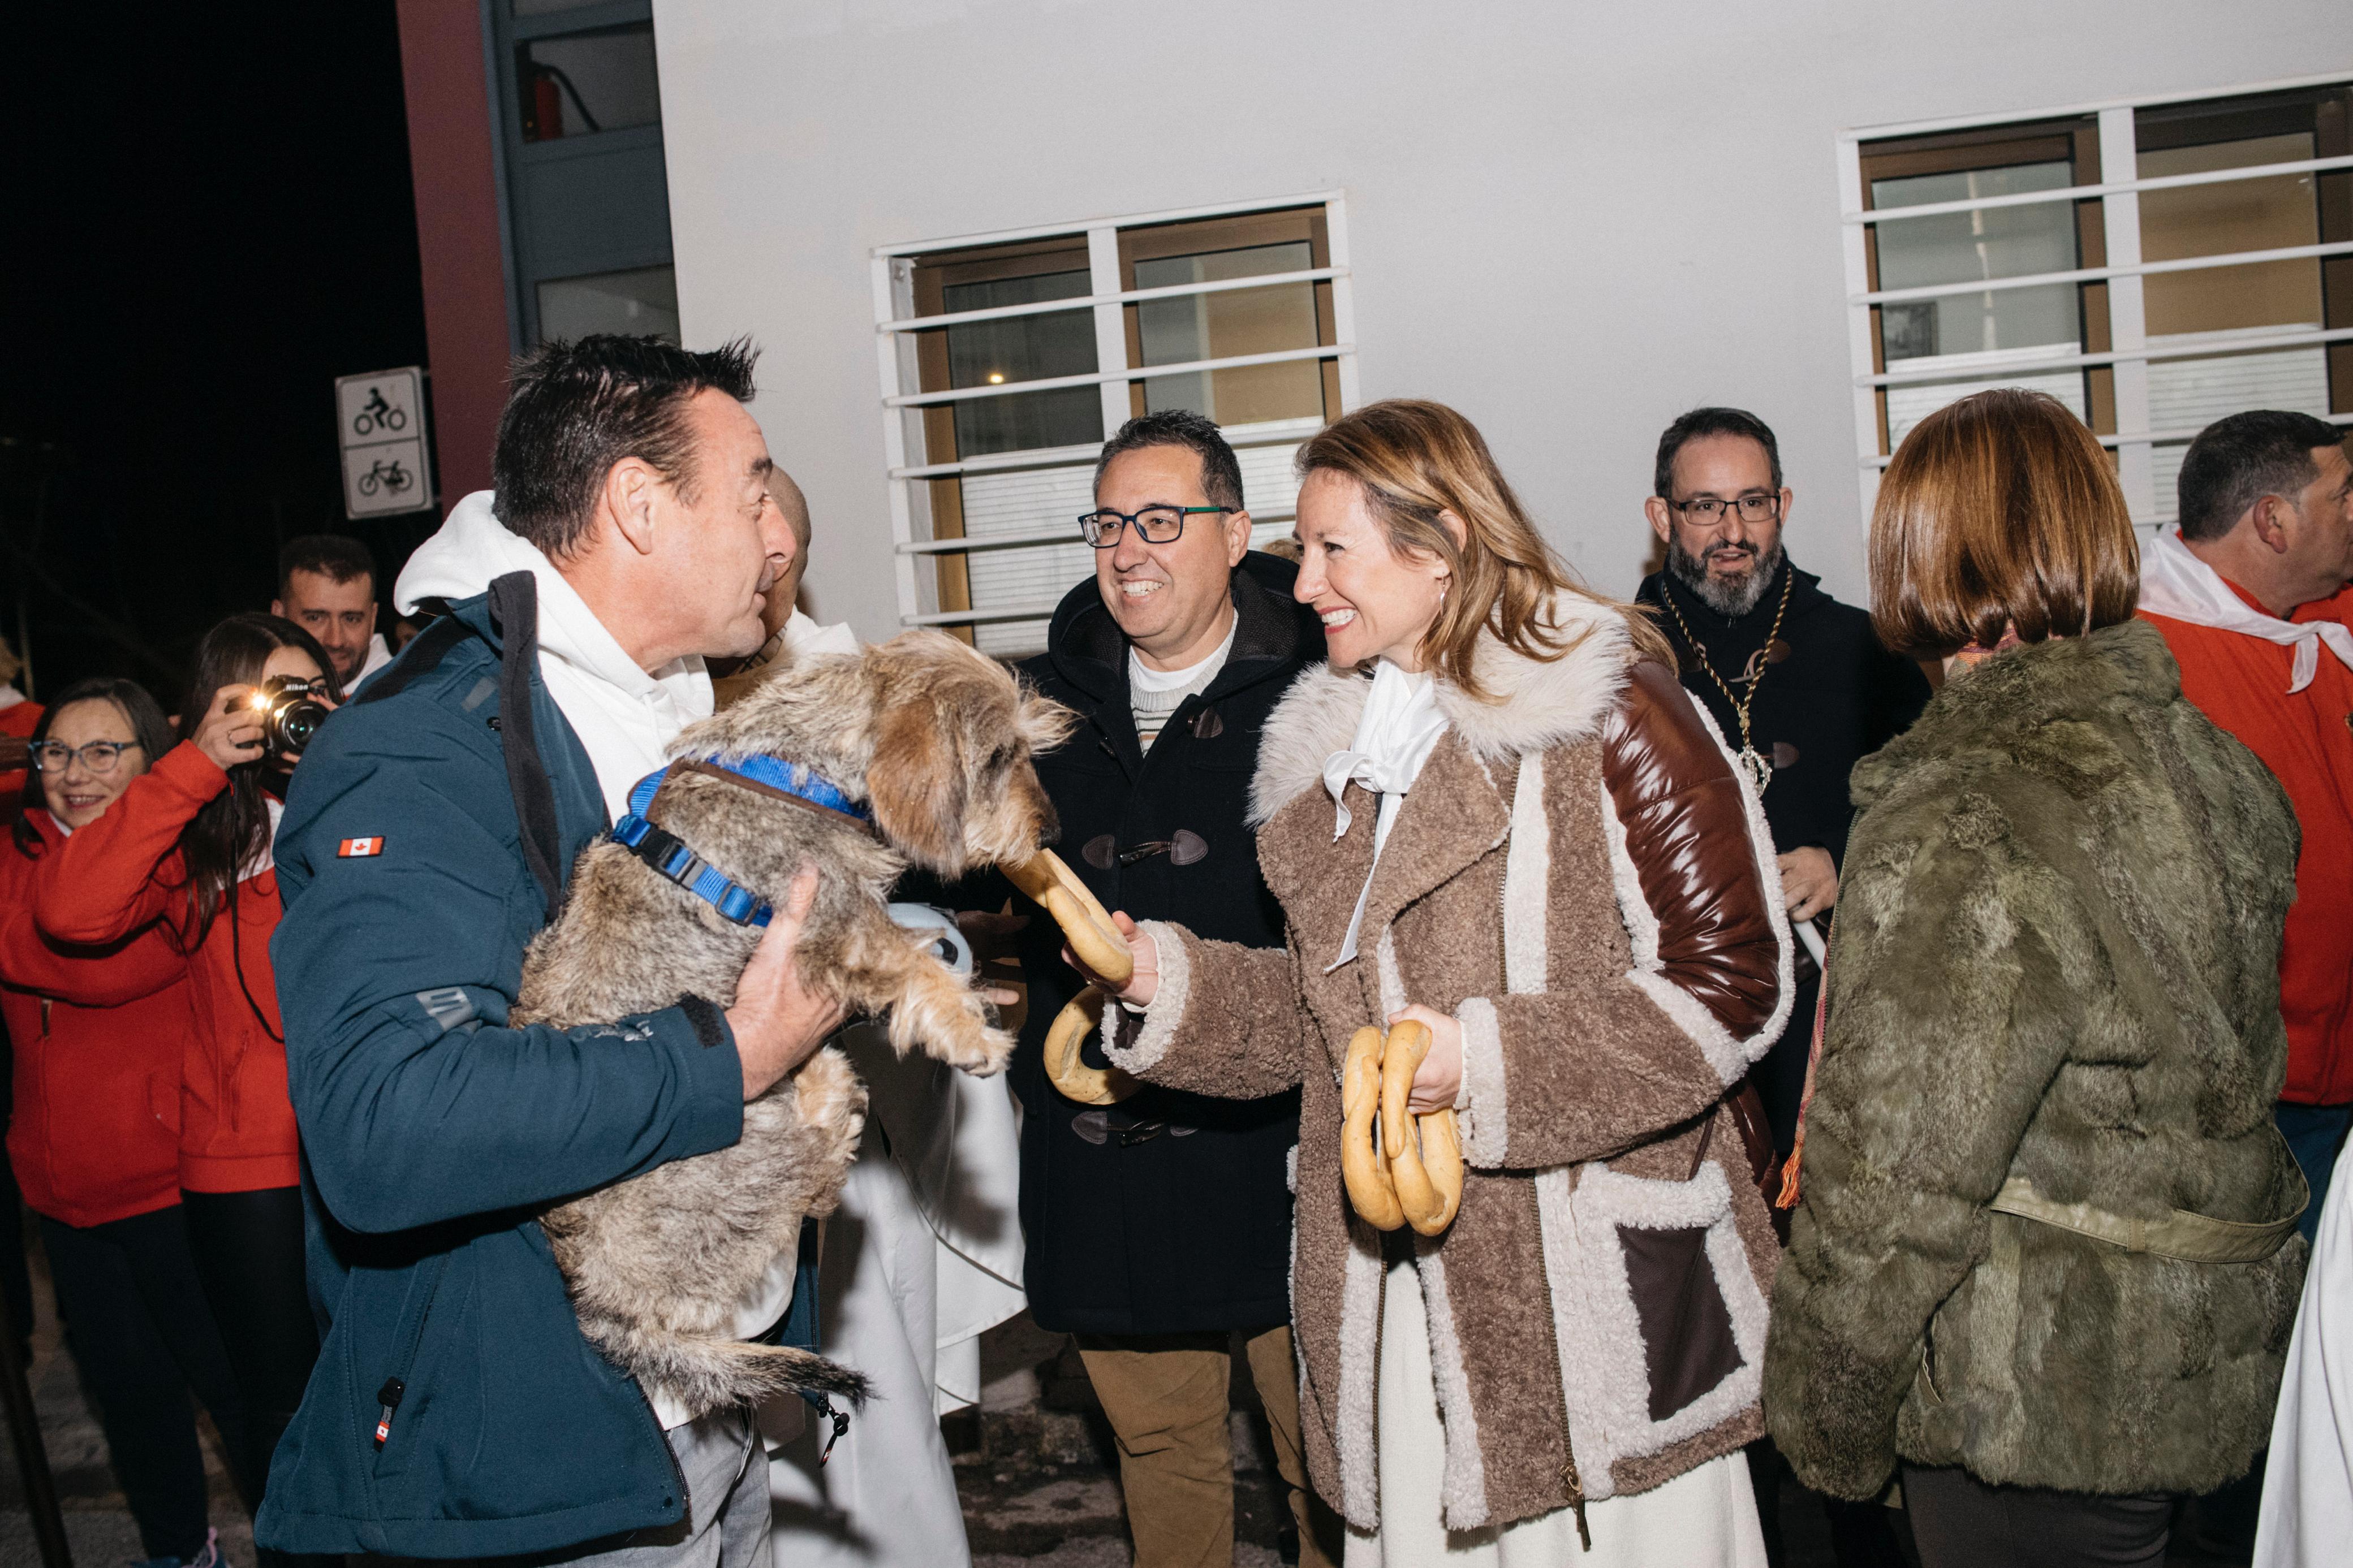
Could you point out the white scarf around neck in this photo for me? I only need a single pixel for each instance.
(2175, 584)
(1399, 729)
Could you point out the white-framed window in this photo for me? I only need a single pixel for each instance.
(1009, 358)
(2155, 264)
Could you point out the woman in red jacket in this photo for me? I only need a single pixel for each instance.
(94, 1138)
(187, 851)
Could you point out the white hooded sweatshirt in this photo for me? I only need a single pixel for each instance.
(626, 720)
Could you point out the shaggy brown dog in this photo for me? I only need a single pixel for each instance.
(935, 739)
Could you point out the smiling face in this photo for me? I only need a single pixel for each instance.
(1174, 601)
(76, 793)
(1374, 602)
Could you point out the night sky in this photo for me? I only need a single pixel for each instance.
(209, 219)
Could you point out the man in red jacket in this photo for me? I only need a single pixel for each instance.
(2251, 595)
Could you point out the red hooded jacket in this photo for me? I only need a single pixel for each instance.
(99, 1035)
(122, 875)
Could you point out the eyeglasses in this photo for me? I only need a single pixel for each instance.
(1708, 511)
(98, 756)
(1154, 524)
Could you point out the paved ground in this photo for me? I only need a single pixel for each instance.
(97, 1525)
(1036, 1467)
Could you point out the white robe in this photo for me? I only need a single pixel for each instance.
(923, 1256)
(2307, 1509)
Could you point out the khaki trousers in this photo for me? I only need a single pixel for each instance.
(1166, 1397)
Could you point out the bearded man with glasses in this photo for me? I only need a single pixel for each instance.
(1802, 689)
(1158, 1222)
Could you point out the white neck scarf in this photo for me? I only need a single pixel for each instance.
(2175, 583)
(1399, 727)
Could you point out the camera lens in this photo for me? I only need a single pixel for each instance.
(299, 723)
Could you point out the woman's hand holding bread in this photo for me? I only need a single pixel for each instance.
(1117, 959)
(1437, 1079)
(1402, 1164)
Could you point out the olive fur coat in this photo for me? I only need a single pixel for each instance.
(2057, 957)
(1597, 1310)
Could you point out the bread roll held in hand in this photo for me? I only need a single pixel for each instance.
(1086, 924)
(1412, 1172)
(1097, 943)
(1076, 1080)
(1362, 1165)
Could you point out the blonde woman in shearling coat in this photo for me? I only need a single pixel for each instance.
(1499, 814)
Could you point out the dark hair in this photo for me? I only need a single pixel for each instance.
(575, 409)
(230, 830)
(1221, 472)
(333, 556)
(1704, 422)
(2000, 511)
(2237, 461)
(148, 727)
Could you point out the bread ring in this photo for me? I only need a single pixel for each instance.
(1425, 1152)
(1361, 1165)
(1401, 1059)
(1086, 926)
(1081, 1016)
(1441, 1156)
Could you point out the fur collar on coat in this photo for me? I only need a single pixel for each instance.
(1537, 704)
(1569, 1362)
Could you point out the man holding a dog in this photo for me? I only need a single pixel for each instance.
(1159, 1227)
(458, 1412)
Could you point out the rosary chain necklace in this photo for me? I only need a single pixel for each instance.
(1758, 770)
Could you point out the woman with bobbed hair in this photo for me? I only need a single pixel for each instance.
(186, 853)
(98, 1034)
(2043, 1257)
(1497, 814)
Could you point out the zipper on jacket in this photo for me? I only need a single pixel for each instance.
(387, 1400)
(677, 1471)
(395, 1387)
(1570, 1480)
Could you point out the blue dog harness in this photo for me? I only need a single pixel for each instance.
(670, 855)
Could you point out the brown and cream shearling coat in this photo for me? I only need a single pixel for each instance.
(1579, 878)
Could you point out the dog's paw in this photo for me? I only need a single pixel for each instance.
(979, 1050)
(829, 1093)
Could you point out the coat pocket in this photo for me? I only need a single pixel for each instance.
(1675, 1329)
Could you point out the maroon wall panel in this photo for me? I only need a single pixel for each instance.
(452, 155)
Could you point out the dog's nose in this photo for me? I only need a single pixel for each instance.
(1049, 826)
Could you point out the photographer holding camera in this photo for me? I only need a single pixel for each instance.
(186, 848)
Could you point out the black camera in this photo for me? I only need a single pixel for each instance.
(290, 713)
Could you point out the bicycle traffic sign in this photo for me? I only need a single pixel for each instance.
(380, 422)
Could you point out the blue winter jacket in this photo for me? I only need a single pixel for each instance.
(456, 1410)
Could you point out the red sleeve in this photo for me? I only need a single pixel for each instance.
(105, 976)
(87, 977)
(121, 872)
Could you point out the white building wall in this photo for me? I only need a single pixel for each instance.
(1570, 220)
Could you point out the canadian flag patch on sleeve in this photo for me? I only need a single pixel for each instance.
(354, 848)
